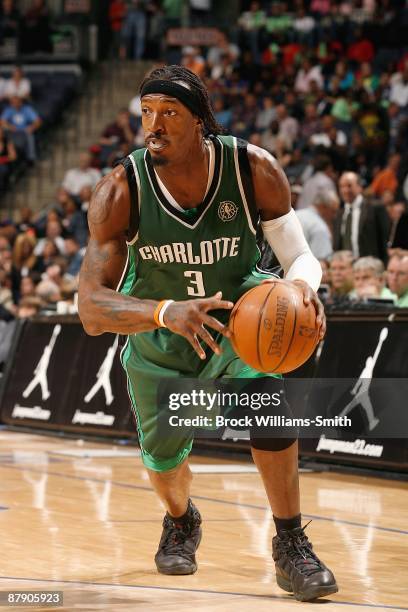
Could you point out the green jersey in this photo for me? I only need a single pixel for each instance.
(191, 253)
(181, 254)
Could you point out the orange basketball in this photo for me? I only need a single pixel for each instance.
(272, 330)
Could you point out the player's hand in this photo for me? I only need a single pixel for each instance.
(190, 319)
(310, 296)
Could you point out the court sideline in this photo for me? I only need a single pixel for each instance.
(81, 517)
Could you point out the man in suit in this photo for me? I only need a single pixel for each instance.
(360, 226)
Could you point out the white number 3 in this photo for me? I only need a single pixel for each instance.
(196, 286)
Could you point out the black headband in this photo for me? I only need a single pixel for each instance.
(185, 96)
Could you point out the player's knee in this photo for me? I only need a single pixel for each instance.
(272, 444)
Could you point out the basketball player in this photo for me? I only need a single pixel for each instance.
(170, 228)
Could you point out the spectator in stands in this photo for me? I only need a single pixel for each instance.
(192, 60)
(7, 156)
(135, 110)
(400, 238)
(36, 37)
(5, 249)
(21, 122)
(74, 255)
(134, 29)
(118, 132)
(85, 198)
(117, 11)
(396, 212)
(223, 115)
(297, 168)
(77, 178)
(304, 25)
(9, 20)
(402, 282)
(360, 227)
(288, 126)
(48, 254)
(27, 286)
(392, 273)
(386, 179)
(18, 86)
(311, 123)
(341, 273)
(306, 74)
(53, 232)
(399, 87)
(200, 12)
(5, 252)
(55, 271)
(25, 261)
(322, 180)
(316, 221)
(270, 139)
(28, 307)
(266, 114)
(329, 136)
(224, 49)
(48, 292)
(6, 297)
(244, 116)
(369, 279)
(25, 222)
(74, 221)
(295, 191)
(251, 21)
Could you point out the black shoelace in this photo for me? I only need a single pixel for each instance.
(299, 549)
(175, 538)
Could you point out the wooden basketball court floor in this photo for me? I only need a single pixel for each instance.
(81, 518)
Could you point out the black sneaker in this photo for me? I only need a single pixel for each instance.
(298, 569)
(178, 544)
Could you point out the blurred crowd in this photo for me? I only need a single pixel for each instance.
(19, 122)
(31, 26)
(322, 86)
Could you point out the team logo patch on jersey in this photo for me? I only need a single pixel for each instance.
(227, 210)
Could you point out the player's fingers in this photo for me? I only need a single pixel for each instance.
(319, 310)
(322, 331)
(193, 340)
(215, 324)
(213, 304)
(208, 339)
(321, 317)
(307, 296)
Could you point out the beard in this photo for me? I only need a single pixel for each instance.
(158, 160)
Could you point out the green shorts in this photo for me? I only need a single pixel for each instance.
(149, 358)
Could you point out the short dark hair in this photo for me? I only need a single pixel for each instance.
(179, 73)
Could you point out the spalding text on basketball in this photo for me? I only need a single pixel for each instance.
(275, 347)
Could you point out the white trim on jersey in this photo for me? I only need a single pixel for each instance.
(135, 170)
(209, 203)
(123, 273)
(241, 188)
(211, 166)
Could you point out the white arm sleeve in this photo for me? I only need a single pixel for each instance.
(285, 235)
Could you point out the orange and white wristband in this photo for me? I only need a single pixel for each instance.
(158, 314)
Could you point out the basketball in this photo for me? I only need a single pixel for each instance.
(272, 330)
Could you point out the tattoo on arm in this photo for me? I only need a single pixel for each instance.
(101, 206)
